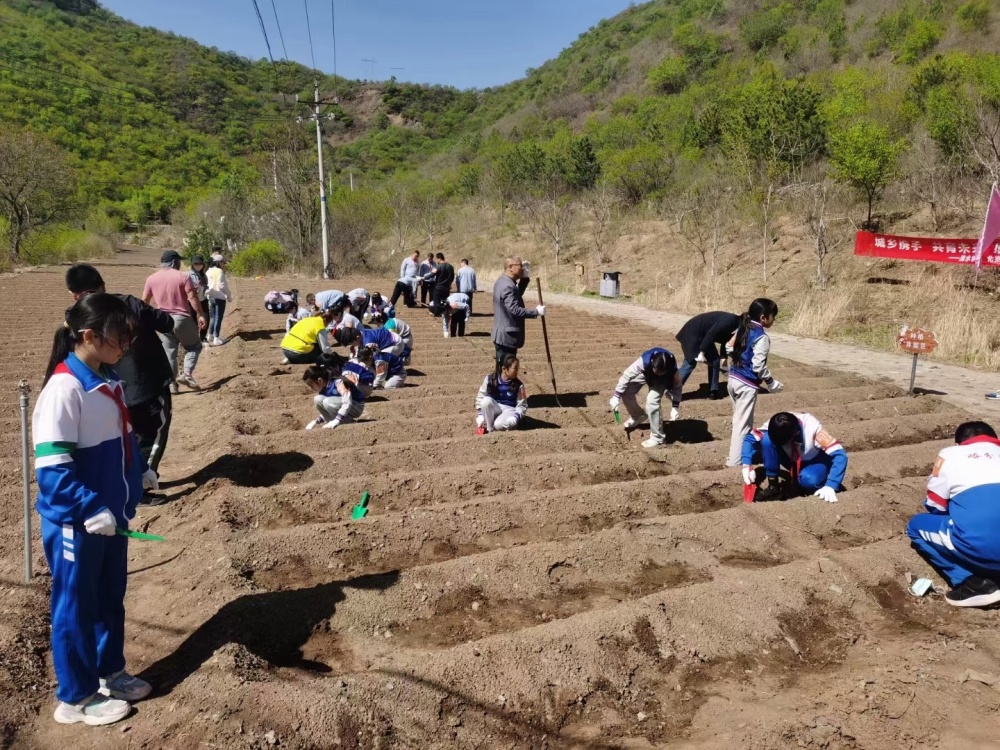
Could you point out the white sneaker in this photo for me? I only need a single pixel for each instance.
(629, 424)
(217, 341)
(652, 443)
(447, 335)
(285, 361)
(174, 389)
(96, 711)
(125, 687)
(189, 381)
(315, 423)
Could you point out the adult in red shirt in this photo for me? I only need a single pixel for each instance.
(171, 291)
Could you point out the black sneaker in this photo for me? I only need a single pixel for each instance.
(974, 592)
(716, 395)
(153, 499)
(773, 490)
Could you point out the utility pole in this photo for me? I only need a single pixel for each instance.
(372, 63)
(322, 185)
(399, 69)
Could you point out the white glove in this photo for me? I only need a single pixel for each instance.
(614, 403)
(826, 494)
(314, 423)
(749, 475)
(776, 386)
(675, 414)
(333, 424)
(102, 523)
(540, 310)
(150, 481)
(480, 420)
(700, 357)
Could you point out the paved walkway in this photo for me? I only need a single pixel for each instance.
(957, 385)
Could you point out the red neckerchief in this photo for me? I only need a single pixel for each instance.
(115, 396)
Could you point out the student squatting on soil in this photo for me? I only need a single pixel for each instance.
(502, 400)
(341, 390)
(959, 534)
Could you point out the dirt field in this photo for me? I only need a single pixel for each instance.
(558, 587)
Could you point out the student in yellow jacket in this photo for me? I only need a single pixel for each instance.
(307, 340)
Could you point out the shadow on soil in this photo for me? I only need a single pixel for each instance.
(254, 470)
(681, 431)
(273, 626)
(214, 386)
(563, 400)
(265, 335)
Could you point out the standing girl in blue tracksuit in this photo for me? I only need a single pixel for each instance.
(748, 371)
(90, 473)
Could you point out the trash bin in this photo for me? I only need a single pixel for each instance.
(610, 286)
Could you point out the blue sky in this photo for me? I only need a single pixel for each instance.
(465, 43)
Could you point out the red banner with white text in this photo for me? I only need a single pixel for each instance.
(933, 249)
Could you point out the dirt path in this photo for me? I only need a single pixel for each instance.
(961, 386)
(556, 587)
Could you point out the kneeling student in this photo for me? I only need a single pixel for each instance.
(657, 369)
(959, 536)
(502, 400)
(390, 371)
(401, 329)
(816, 460)
(307, 339)
(378, 339)
(341, 392)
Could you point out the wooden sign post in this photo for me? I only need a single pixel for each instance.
(917, 341)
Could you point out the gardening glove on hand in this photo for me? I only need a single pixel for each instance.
(150, 481)
(614, 403)
(827, 494)
(540, 310)
(102, 523)
(700, 357)
(480, 420)
(776, 386)
(749, 475)
(675, 414)
(332, 424)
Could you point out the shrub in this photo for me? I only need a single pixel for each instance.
(200, 240)
(62, 244)
(261, 257)
(762, 30)
(974, 16)
(922, 39)
(670, 75)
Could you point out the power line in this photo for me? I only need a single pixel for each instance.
(280, 35)
(312, 54)
(263, 30)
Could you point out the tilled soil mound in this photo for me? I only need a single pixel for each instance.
(555, 587)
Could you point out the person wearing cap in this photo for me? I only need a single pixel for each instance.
(199, 281)
(171, 291)
(219, 295)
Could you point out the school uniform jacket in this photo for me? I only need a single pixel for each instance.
(641, 372)
(359, 381)
(750, 365)
(812, 439)
(86, 455)
(510, 394)
(379, 338)
(965, 484)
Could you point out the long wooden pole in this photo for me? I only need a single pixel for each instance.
(548, 353)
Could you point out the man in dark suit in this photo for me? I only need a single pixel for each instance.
(701, 339)
(509, 312)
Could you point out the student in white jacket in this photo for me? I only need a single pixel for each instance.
(219, 295)
(502, 400)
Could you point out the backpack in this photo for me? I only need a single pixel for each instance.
(281, 303)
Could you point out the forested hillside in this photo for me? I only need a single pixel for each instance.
(729, 133)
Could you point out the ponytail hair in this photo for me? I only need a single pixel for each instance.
(502, 364)
(104, 314)
(365, 356)
(760, 307)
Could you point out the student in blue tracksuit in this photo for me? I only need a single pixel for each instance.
(748, 371)
(390, 371)
(502, 400)
(341, 390)
(657, 369)
(90, 474)
(815, 460)
(959, 536)
(379, 339)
